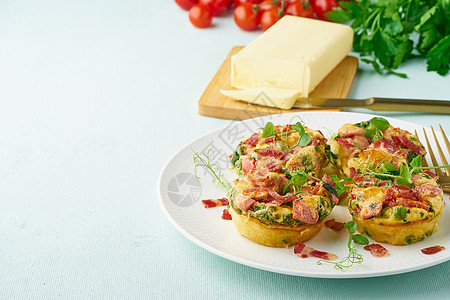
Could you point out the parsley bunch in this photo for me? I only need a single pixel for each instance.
(390, 32)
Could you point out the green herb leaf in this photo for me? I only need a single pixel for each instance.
(298, 180)
(330, 189)
(438, 59)
(390, 167)
(268, 130)
(360, 239)
(416, 161)
(351, 226)
(388, 32)
(380, 123)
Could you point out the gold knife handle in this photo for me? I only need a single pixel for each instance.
(415, 105)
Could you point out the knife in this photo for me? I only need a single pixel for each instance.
(378, 104)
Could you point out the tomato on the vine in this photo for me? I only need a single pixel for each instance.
(200, 16)
(270, 17)
(321, 7)
(300, 8)
(186, 4)
(245, 17)
(217, 7)
(265, 5)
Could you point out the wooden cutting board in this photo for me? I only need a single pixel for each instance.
(213, 104)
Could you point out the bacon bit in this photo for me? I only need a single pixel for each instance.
(208, 203)
(327, 179)
(305, 213)
(226, 214)
(431, 174)
(427, 190)
(410, 145)
(353, 173)
(303, 251)
(432, 250)
(275, 169)
(269, 140)
(270, 152)
(385, 145)
(334, 225)
(251, 141)
(376, 250)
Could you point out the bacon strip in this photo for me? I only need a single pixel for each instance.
(385, 146)
(410, 145)
(208, 203)
(334, 225)
(376, 250)
(304, 213)
(270, 152)
(226, 214)
(251, 141)
(303, 251)
(432, 250)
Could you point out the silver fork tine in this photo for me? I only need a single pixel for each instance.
(447, 144)
(430, 151)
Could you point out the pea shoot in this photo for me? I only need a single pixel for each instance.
(353, 256)
(303, 140)
(204, 161)
(403, 176)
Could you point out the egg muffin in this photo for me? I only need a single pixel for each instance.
(281, 150)
(398, 215)
(263, 214)
(357, 147)
(264, 206)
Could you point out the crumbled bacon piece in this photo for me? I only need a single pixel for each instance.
(303, 251)
(208, 203)
(270, 152)
(305, 213)
(376, 250)
(226, 214)
(334, 225)
(432, 250)
(251, 141)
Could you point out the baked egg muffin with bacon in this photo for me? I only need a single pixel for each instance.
(360, 146)
(397, 214)
(274, 202)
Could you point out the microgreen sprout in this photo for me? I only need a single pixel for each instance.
(403, 176)
(373, 129)
(204, 161)
(353, 256)
(303, 140)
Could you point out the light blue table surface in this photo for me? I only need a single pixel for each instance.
(95, 97)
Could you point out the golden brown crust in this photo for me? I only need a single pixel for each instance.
(273, 235)
(397, 234)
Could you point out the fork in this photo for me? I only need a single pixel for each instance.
(443, 173)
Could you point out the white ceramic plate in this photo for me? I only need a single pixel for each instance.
(180, 195)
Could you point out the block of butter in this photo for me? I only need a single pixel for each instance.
(296, 53)
(266, 96)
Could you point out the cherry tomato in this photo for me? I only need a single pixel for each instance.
(245, 17)
(321, 7)
(237, 2)
(265, 5)
(299, 8)
(269, 17)
(217, 7)
(186, 4)
(200, 16)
